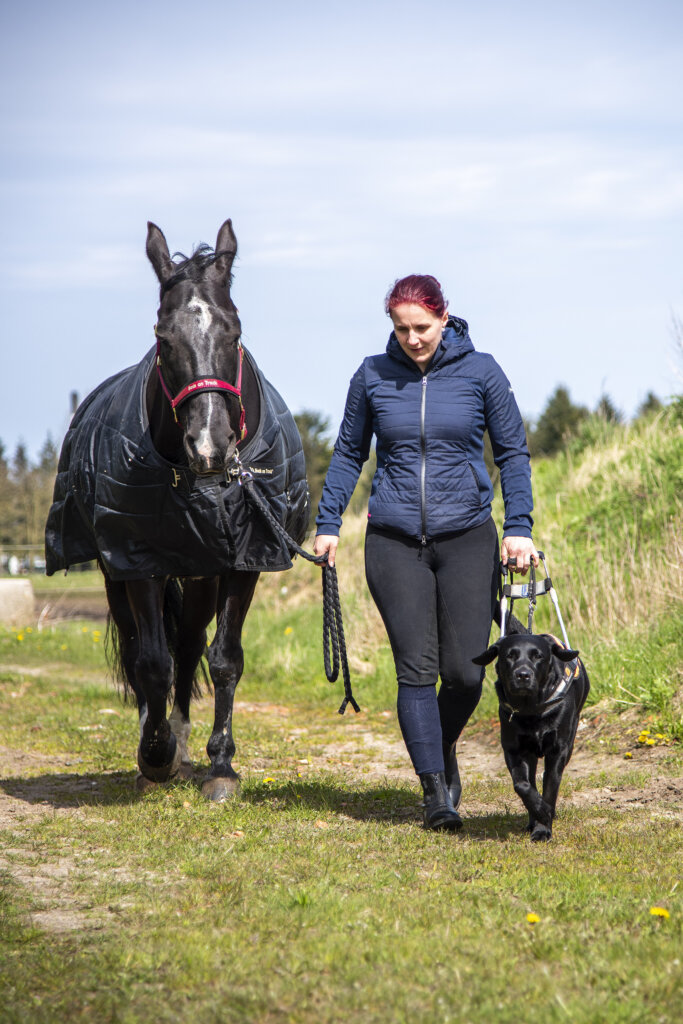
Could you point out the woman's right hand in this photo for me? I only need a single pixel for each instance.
(326, 544)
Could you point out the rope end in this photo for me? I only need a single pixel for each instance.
(349, 700)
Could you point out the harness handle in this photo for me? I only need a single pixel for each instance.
(527, 591)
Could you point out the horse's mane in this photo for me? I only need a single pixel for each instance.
(192, 268)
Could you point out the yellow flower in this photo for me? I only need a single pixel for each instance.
(628, 754)
(20, 637)
(649, 743)
(29, 629)
(269, 779)
(288, 630)
(63, 647)
(659, 912)
(533, 918)
(85, 629)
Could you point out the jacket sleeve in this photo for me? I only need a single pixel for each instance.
(510, 452)
(351, 449)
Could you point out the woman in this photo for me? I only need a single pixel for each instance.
(431, 548)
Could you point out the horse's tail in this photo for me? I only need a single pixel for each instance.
(173, 610)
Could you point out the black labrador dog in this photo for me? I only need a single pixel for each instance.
(541, 689)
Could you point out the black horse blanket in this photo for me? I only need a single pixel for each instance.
(116, 500)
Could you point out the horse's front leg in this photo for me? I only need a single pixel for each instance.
(226, 662)
(158, 752)
(199, 607)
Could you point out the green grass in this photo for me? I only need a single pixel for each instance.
(315, 896)
(367, 919)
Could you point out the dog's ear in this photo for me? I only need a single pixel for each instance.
(564, 653)
(488, 656)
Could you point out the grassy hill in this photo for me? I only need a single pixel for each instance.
(609, 516)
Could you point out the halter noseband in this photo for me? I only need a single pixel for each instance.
(204, 384)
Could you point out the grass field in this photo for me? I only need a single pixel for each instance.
(316, 896)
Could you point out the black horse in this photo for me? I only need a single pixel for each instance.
(149, 484)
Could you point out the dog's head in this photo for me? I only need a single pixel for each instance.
(526, 664)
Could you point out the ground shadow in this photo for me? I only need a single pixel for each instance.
(393, 805)
(64, 790)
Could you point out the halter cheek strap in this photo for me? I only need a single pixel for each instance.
(204, 384)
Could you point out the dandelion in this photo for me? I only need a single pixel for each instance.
(84, 629)
(533, 918)
(659, 912)
(269, 779)
(63, 647)
(20, 637)
(628, 754)
(29, 629)
(649, 743)
(288, 630)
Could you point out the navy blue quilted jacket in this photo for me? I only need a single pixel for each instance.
(431, 477)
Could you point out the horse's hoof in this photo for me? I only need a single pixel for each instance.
(161, 772)
(221, 789)
(143, 785)
(186, 771)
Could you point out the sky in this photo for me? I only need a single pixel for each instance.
(529, 155)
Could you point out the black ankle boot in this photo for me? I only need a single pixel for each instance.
(453, 776)
(438, 810)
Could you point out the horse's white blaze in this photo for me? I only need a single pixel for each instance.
(202, 310)
(205, 444)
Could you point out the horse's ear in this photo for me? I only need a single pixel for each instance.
(226, 243)
(158, 254)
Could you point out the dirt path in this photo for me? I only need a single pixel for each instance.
(648, 783)
(608, 768)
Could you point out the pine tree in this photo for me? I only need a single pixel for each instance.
(559, 421)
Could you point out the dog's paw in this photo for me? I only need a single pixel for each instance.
(540, 833)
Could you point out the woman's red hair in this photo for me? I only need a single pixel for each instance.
(418, 289)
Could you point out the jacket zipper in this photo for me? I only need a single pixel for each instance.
(423, 464)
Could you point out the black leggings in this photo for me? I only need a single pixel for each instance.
(437, 603)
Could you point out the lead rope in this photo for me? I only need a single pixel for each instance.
(333, 628)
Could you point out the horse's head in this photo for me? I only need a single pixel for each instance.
(199, 352)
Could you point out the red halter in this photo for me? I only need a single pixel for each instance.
(204, 384)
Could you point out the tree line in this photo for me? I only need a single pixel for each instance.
(26, 485)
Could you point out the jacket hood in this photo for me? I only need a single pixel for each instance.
(456, 342)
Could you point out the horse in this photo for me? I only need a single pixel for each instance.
(149, 484)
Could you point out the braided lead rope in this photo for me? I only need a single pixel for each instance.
(333, 636)
(333, 628)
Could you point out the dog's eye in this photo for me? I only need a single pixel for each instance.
(534, 654)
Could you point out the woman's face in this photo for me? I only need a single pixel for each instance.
(418, 331)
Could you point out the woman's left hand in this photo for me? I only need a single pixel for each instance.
(521, 548)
